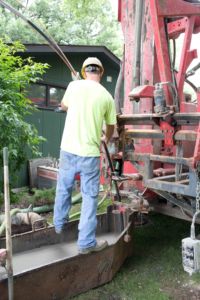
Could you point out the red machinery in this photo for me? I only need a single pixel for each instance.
(158, 117)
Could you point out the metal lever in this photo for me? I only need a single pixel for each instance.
(112, 170)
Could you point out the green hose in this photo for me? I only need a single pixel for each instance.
(48, 208)
(77, 214)
(76, 198)
(39, 209)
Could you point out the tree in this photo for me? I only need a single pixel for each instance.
(77, 22)
(15, 133)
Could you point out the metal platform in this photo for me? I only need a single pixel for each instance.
(48, 266)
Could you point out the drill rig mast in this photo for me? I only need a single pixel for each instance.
(158, 116)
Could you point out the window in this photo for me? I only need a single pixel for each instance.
(55, 96)
(37, 93)
(45, 95)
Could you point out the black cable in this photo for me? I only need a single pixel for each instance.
(49, 39)
(174, 53)
(112, 170)
(193, 70)
(189, 82)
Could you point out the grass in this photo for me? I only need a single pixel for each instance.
(155, 271)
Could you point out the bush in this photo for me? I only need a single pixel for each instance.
(15, 75)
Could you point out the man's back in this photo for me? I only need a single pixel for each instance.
(89, 103)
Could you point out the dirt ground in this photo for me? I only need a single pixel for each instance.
(187, 292)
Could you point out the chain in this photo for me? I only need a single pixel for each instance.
(198, 188)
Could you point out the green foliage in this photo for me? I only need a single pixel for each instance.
(74, 22)
(15, 133)
(42, 197)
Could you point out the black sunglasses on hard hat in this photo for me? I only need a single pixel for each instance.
(92, 69)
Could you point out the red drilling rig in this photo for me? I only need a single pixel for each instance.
(158, 122)
(157, 157)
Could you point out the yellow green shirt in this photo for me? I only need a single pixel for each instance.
(89, 105)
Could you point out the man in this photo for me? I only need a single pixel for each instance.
(88, 105)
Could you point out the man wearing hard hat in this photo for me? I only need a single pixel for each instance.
(88, 105)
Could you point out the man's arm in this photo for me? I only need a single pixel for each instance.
(109, 132)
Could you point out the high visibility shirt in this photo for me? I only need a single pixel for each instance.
(89, 105)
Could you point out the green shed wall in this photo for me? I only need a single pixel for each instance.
(58, 73)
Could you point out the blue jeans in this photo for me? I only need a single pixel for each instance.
(89, 170)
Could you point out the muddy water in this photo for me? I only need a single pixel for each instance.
(45, 255)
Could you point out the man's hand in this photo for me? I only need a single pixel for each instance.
(104, 139)
(75, 76)
(108, 133)
(63, 107)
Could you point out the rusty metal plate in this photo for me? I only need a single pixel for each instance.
(65, 273)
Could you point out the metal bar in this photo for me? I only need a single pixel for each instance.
(181, 135)
(176, 27)
(187, 116)
(172, 177)
(186, 57)
(145, 133)
(163, 172)
(171, 8)
(148, 170)
(168, 210)
(9, 265)
(161, 46)
(185, 135)
(172, 187)
(112, 170)
(171, 159)
(161, 158)
(178, 167)
(180, 118)
(137, 47)
(173, 200)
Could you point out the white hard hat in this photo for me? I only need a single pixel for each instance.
(91, 61)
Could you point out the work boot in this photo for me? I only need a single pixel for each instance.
(98, 247)
(60, 230)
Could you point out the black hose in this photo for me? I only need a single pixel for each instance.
(112, 170)
(49, 39)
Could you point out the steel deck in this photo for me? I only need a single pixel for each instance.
(47, 265)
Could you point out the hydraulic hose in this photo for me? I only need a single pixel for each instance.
(77, 214)
(46, 36)
(40, 209)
